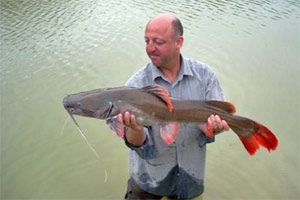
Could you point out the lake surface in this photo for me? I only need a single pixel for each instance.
(53, 48)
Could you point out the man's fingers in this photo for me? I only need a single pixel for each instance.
(218, 124)
(133, 120)
(225, 125)
(120, 118)
(127, 119)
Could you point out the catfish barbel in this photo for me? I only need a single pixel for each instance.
(152, 106)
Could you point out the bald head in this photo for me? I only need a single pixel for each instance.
(168, 20)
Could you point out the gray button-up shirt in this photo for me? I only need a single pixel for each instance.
(177, 169)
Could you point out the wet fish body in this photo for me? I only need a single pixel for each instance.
(152, 106)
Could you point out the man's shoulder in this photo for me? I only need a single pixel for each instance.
(141, 77)
(197, 67)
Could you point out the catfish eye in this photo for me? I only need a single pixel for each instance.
(78, 104)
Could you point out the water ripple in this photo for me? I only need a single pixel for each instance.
(50, 48)
(54, 23)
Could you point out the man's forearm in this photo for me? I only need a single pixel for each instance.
(136, 137)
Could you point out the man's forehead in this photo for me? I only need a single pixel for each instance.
(158, 30)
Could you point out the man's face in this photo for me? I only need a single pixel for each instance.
(160, 44)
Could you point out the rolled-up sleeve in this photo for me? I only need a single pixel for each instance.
(146, 150)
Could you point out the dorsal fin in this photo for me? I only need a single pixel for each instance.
(161, 93)
(223, 105)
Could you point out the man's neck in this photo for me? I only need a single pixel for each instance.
(172, 70)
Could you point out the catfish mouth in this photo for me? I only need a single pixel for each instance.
(78, 111)
(72, 107)
(75, 108)
(70, 110)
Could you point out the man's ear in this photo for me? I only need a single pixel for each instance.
(179, 42)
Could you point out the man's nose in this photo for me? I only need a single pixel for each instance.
(150, 46)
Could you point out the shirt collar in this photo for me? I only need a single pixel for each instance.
(184, 70)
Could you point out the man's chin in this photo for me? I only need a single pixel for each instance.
(155, 62)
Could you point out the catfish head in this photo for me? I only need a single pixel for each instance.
(93, 103)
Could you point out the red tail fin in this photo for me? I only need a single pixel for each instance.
(262, 136)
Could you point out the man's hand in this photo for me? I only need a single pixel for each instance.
(216, 123)
(135, 134)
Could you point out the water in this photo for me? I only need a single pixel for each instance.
(53, 48)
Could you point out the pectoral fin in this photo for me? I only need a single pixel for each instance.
(169, 132)
(116, 126)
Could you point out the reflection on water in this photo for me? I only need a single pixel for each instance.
(53, 48)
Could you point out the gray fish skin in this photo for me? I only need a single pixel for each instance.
(150, 109)
(107, 103)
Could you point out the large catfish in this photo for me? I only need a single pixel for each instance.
(152, 106)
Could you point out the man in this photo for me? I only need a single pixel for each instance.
(175, 170)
